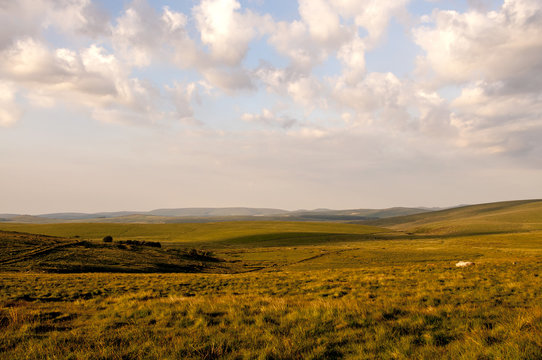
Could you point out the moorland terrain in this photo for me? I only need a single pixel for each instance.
(198, 215)
(384, 288)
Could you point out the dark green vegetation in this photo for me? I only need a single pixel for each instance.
(292, 291)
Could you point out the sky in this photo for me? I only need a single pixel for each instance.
(138, 105)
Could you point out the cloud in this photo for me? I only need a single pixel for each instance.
(96, 78)
(91, 78)
(91, 72)
(227, 31)
(489, 116)
(30, 60)
(377, 90)
(82, 17)
(371, 15)
(138, 33)
(497, 45)
(311, 40)
(352, 55)
(496, 58)
(142, 36)
(32, 64)
(270, 118)
(227, 79)
(28, 18)
(306, 91)
(324, 23)
(435, 115)
(9, 110)
(292, 40)
(181, 96)
(328, 26)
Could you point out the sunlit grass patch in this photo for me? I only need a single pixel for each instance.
(380, 296)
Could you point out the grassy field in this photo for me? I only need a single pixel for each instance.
(249, 233)
(503, 217)
(313, 291)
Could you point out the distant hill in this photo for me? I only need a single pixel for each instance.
(214, 214)
(229, 211)
(195, 212)
(506, 216)
(353, 214)
(82, 216)
(29, 219)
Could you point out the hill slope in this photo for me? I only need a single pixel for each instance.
(506, 216)
(212, 215)
(31, 252)
(249, 233)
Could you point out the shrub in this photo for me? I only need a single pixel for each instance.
(141, 243)
(108, 239)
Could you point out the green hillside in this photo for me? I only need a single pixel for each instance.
(499, 217)
(21, 252)
(278, 290)
(223, 233)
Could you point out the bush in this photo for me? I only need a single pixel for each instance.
(108, 238)
(141, 243)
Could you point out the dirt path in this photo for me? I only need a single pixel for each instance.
(275, 266)
(42, 250)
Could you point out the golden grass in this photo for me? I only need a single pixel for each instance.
(383, 296)
(408, 312)
(237, 232)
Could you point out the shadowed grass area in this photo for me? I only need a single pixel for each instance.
(40, 253)
(294, 239)
(207, 233)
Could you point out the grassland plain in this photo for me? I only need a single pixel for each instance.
(320, 291)
(250, 233)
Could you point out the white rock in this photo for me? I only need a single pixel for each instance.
(464, 263)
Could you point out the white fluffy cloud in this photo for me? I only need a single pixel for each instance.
(321, 116)
(324, 23)
(331, 28)
(497, 45)
(24, 18)
(142, 36)
(226, 30)
(352, 54)
(328, 26)
(92, 78)
(496, 57)
(222, 28)
(293, 41)
(306, 91)
(493, 57)
(376, 91)
(372, 15)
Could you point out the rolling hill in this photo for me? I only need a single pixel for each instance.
(248, 233)
(42, 253)
(183, 215)
(498, 217)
